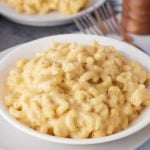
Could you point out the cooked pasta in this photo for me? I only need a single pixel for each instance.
(77, 91)
(45, 6)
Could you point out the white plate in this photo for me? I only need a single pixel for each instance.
(51, 19)
(20, 141)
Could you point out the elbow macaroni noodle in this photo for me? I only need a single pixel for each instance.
(45, 6)
(77, 91)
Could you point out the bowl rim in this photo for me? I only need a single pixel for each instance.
(25, 129)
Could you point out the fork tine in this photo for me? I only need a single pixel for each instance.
(106, 24)
(88, 26)
(108, 18)
(80, 27)
(100, 21)
(83, 26)
(110, 13)
(91, 20)
(113, 16)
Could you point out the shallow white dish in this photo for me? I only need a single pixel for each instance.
(28, 50)
(26, 141)
(51, 19)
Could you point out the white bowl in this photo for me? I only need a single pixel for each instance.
(50, 19)
(28, 50)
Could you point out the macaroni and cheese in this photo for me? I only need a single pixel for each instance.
(45, 6)
(77, 91)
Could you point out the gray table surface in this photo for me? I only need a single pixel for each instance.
(12, 34)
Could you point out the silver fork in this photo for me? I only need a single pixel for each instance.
(102, 22)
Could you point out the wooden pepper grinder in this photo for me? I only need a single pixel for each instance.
(136, 16)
